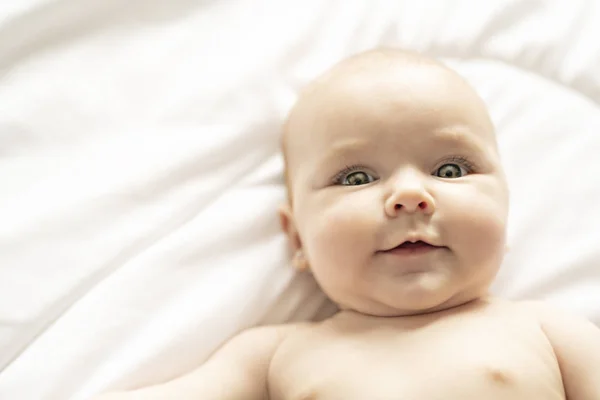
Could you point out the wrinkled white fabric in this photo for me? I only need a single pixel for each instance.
(140, 173)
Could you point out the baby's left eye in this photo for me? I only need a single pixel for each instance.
(450, 171)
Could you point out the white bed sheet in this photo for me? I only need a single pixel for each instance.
(140, 173)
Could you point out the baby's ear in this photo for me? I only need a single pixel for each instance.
(288, 225)
(286, 218)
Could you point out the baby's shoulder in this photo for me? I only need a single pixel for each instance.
(270, 335)
(256, 346)
(554, 321)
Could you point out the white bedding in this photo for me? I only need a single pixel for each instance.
(140, 173)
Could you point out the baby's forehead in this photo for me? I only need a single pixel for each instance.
(408, 95)
(367, 74)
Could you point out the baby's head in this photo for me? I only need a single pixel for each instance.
(390, 147)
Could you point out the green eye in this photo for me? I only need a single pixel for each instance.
(449, 171)
(357, 178)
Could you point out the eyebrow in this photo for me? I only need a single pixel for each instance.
(343, 148)
(457, 135)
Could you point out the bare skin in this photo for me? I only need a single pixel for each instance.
(406, 241)
(485, 349)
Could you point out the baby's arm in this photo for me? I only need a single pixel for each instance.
(238, 370)
(576, 343)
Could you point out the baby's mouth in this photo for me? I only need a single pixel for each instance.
(413, 245)
(408, 247)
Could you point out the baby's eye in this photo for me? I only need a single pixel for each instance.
(353, 176)
(450, 171)
(357, 178)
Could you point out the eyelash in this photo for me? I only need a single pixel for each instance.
(337, 179)
(468, 165)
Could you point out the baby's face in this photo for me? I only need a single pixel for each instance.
(384, 156)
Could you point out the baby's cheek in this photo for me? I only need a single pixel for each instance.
(340, 236)
(479, 230)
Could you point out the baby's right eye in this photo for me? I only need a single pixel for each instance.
(353, 176)
(358, 178)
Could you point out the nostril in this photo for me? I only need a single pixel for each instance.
(422, 205)
(398, 206)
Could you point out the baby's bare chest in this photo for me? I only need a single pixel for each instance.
(462, 359)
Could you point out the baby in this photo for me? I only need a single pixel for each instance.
(397, 204)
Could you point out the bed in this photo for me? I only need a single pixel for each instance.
(140, 170)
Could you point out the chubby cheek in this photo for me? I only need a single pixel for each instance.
(475, 226)
(339, 235)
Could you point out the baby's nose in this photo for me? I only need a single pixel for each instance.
(409, 199)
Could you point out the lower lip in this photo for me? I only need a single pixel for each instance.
(412, 250)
